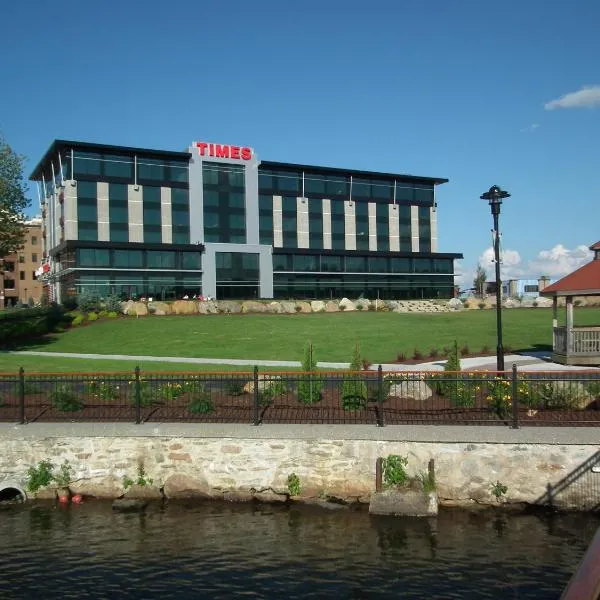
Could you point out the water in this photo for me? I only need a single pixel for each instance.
(250, 551)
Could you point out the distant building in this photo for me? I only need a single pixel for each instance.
(19, 281)
(516, 288)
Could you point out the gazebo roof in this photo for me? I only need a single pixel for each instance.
(585, 281)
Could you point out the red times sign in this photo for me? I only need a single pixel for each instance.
(224, 151)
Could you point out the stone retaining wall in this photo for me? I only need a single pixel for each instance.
(238, 469)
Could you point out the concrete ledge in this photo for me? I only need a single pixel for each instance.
(500, 434)
(404, 503)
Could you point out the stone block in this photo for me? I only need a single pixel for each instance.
(454, 304)
(287, 307)
(159, 308)
(184, 307)
(416, 390)
(347, 305)
(270, 497)
(147, 492)
(303, 307)
(229, 307)
(251, 306)
(184, 486)
(317, 306)
(208, 307)
(404, 502)
(331, 306)
(274, 307)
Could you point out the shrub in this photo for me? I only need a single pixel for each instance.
(39, 476)
(298, 308)
(359, 307)
(148, 393)
(498, 490)
(69, 303)
(481, 305)
(393, 471)
(142, 478)
(366, 364)
(78, 320)
(65, 399)
(16, 324)
(102, 314)
(485, 350)
(92, 317)
(112, 303)
(271, 389)
(417, 354)
(563, 395)
(354, 389)
(342, 307)
(434, 353)
(64, 476)
(499, 396)
(235, 388)
(102, 390)
(594, 388)
(88, 301)
(112, 315)
(464, 351)
(309, 384)
(427, 479)
(200, 402)
(372, 308)
(401, 357)
(170, 391)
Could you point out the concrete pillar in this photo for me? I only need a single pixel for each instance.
(327, 243)
(434, 236)
(103, 212)
(372, 226)
(69, 212)
(569, 324)
(394, 215)
(349, 225)
(302, 223)
(554, 312)
(414, 228)
(135, 213)
(166, 216)
(277, 222)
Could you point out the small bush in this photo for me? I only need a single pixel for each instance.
(393, 471)
(464, 351)
(366, 364)
(88, 301)
(103, 390)
(64, 476)
(594, 388)
(434, 353)
(342, 307)
(417, 354)
(354, 389)
(293, 483)
(112, 315)
(65, 399)
(112, 304)
(401, 357)
(359, 307)
(298, 309)
(102, 314)
(78, 320)
(235, 388)
(309, 384)
(272, 389)
(200, 401)
(498, 490)
(481, 305)
(427, 480)
(69, 303)
(39, 476)
(485, 350)
(92, 317)
(372, 308)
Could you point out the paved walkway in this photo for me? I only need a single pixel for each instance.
(537, 361)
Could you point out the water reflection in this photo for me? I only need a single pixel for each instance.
(186, 550)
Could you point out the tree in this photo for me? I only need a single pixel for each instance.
(12, 200)
(479, 281)
(309, 384)
(354, 389)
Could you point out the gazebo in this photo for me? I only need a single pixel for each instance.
(576, 345)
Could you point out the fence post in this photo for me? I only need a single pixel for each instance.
(379, 409)
(515, 398)
(379, 474)
(138, 397)
(21, 396)
(256, 405)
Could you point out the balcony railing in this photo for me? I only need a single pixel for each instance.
(581, 341)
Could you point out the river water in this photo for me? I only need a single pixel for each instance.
(258, 551)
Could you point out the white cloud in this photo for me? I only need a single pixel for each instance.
(531, 128)
(560, 261)
(586, 97)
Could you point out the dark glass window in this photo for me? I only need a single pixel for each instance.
(315, 223)
(423, 194)
(118, 212)
(118, 166)
(337, 186)
(289, 205)
(236, 267)
(424, 229)
(361, 188)
(331, 264)
(362, 225)
(160, 259)
(338, 225)
(178, 171)
(87, 210)
(382, 217)
(282, 262)
(404, 192)
(190, 260)
(444, 265)
(378, 264)
(404, 228)
(356, 264)
(400, 265)
(314, 184)
(224, 203)
(304, 262)
(132, 259)
(86, 164)
(151, 169)
(381, 190)
(90, 257)
(22, 275)
(288, 182)
(34, 257)
(265, 218)
(422, 265)
(152, 214)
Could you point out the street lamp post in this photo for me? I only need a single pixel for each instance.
(495, 196)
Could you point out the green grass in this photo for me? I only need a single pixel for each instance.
(381, 335)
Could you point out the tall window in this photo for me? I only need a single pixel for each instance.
(383, 226)
(152, 220)
(338, 225)
(265, 218)
(180, 206)
(118, 212)
(424, 229)
(405, 234)
(87, 210)
(362, 225)
(315, 223)
(289, 206)
(224, 203)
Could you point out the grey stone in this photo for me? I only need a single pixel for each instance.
(415, 389)
(184, 307)
(270, 497)
(129, 505)
(274, 307)
(208, 307)
(184, 486)
(238, 496)
(288, 307)
(317, 306)
(511, 303)
(323, 503)
(251, 306)
(347, 305)
(404, 502)
(303, 307)
(229, 307)
(145, 492)
(331, 306)
(159, 308)
(455, 304)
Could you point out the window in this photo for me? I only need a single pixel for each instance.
(382, 217)
(21, 259)
(22, 275)
(424, 229)
(87, 210)
(331, 264)
(9, 266)
(118, 166)
(86, 164)
(90, 257)
(356, 264)
(128, 259)
(306, 263)
(152, 214)
(160, 260)
(9, 284)
(33, 275)
(362, 225)
(191, 260)
(34, 257)
(34, 240)
(151, 169)
(530, 288)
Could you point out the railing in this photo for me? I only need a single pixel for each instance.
(585, 583)
(366, 397)
(585, 341)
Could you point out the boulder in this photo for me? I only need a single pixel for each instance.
(159, 308)
(543, 302)
(303, 307)
(143, 492)
(363, 303)
(139, 309)
(251, 306)
(511, 303)
(404, 502)
(347, 305)
(208, 307)
(184, 486)
(288, 307)
(270, 497)
(184, 307)
(129, 505)
(317, 306)
(415, 389)
(264, 383)
(454, 304)
(229, 307)
(274, 307)
(238, 496)
(126, 306)
(332, 306)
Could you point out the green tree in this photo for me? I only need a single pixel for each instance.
(12, 200)
(479, 281)
(354, 389)
(309, 384)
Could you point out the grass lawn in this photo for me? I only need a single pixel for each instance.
(382, 336)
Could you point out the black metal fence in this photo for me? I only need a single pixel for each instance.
(367, 397)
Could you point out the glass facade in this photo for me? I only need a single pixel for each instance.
(224, 192)
(87, 210)
(152, 216)
(237, 275)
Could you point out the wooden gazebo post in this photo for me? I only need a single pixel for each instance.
(569, 325)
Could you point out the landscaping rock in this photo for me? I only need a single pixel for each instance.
(126, 307)
(304, 307)
(414, 389)
(270, 497)
(317, 306)
(511, 303)
(129, 505)
(454, 304)
(183, 486)
(332, 306)
(207, 307)
(363, 303)
(184, 307)
(238, 496)
(251, 306)
(347, 305)
(145, 492)
(274, 307)
(229, 307)
(139, 309)
(404, 502)
(264, 383)
(288, 307)
(159, 308)
(543, 302)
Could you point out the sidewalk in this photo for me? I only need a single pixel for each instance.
(525, 362)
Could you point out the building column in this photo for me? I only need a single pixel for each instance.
(302, 224)
(135, 210)
(327, 242)
(103, 212)
(433, 223)
(554, 312)
(394, 231)
(414, 228)
(69, 212)
(349, 225)
(166, 216)
(277, 222)
(372, 206)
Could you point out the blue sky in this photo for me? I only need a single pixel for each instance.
(460, 89)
